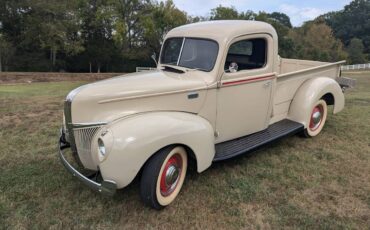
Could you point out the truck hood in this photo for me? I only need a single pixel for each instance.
(114, 98)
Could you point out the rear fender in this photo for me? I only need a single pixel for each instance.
(137, 138)
(309, 93)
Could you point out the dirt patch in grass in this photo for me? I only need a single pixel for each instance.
(255, 216)
(332, 200)
(10, 119)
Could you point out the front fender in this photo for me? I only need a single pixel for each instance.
(309, 93)
(137, 138)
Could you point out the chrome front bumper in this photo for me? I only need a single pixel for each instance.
(106, 187)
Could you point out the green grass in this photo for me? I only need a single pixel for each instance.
(318, 183)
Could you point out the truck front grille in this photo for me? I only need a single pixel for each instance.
(83, 138)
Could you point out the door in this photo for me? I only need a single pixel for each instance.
(244, 93)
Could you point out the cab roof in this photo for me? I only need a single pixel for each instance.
(222, 30)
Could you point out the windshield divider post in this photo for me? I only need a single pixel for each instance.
(182, 47)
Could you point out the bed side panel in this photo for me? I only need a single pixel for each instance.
(286, 88)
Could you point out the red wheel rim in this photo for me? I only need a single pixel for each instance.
(171, 175)
(316, 117)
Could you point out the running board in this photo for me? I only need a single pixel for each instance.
(232, 148)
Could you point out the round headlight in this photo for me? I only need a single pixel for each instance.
(101, 147)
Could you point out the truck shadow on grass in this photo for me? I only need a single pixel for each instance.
(220, 168)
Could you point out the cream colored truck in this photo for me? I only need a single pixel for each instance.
(220, 90)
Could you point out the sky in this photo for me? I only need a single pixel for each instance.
(298, 11)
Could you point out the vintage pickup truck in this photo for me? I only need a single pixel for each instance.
(220, 90)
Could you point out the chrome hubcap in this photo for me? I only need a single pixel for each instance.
(171, 175)
(316, 117)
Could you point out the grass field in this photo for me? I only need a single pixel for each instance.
(319, 183)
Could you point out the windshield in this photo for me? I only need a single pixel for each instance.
(191, 53)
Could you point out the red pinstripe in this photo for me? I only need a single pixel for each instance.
(239, 82)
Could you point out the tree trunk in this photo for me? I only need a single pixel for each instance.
(90, 66)
(54, 57)
(1, 67)
(51, 59)
(99, 67)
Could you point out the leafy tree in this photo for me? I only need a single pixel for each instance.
(12, 14)
(247, 15)
(163, 17)
(128, 14)
(39, 27)
(222, 12)
(196, 19)
(97, 32)
(52, 22)
(315, 40)
(279, 21)
(282, 18)
(13, 17)
(352, 22)
(356, 51)
(117, 35)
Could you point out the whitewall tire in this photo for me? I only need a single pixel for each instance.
(317, 118)
(163, 176)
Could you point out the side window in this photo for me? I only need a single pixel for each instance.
(246, 55)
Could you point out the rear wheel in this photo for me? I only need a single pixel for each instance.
(163, 176)
(317, 120)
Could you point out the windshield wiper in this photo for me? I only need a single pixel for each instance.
(173, 69)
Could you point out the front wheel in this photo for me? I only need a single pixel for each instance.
(317, 119)
(163, 176)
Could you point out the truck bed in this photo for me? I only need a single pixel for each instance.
(292, 74)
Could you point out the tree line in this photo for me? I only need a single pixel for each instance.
(118, 35)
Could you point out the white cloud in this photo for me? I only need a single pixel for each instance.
(300, 14)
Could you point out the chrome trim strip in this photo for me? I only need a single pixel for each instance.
(151, 95)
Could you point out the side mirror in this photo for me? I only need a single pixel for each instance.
(154, 57)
